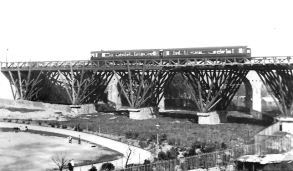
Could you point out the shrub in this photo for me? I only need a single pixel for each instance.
(172, 153)
(172, 141)
(223, 146)
(107, 167)
(163, 137)
(143, 144)
(152, 137)
(131, 135)
(209, 147)
(64, 126)
(93, 168)
(162, 156)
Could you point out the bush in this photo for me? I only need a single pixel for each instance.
(172, 153)
(143, 144)
(205, 147)
(107, 167)
(163, 137)
(152, 137)
(131, 135)
(223, 146)
(162, 156)
(93, 168)
(171, 141)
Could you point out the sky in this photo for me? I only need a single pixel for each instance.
(47, 30)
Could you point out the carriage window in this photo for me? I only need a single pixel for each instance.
(240, 50)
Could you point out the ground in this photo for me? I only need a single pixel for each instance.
(181, 131)
(31, 151)
(178, 131)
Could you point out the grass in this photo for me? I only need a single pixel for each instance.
(180, 130)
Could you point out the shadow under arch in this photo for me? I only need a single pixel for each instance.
(246, 84)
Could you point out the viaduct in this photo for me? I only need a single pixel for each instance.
(212, 80)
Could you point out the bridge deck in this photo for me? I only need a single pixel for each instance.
(107, 64)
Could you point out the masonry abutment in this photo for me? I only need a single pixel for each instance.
(256, 85)
(162, 103)
(113, 94)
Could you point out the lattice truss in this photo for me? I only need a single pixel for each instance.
(82, 86)
(279, 82)
(213, 89)
(141, 88)
(25, 84)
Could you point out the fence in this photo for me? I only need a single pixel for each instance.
(221, 159)
(273, 144)
(268, 143)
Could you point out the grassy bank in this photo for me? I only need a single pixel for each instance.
(180, 131)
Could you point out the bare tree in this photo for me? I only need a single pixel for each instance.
(128, 155)
(60, 159)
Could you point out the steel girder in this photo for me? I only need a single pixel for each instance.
(142, 88)
(25, 85)
(73, 87)
(83, 86)
(213, 89)
(279, 82)
(109, 64)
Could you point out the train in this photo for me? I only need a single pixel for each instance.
(228, 51)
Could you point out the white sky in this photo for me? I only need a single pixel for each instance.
(70, 29)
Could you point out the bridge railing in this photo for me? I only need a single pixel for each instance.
(110, 63)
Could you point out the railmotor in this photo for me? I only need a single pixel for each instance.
(209, 52)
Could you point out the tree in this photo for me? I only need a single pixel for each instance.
(107, 167)
(128, 155)
(60, 159)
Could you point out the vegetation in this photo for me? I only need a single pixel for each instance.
(107, 167)
(146, 131)
(60, 159)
